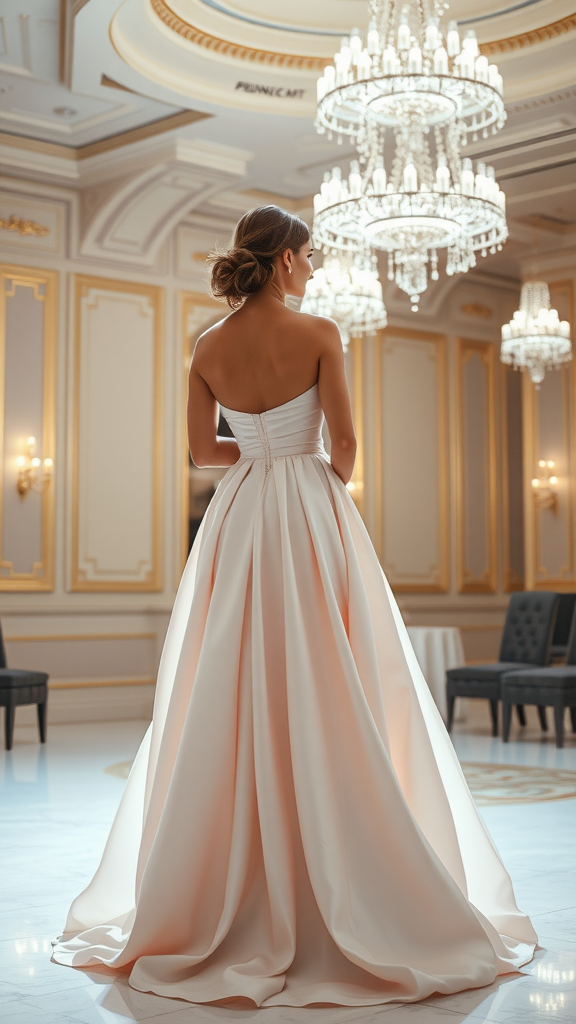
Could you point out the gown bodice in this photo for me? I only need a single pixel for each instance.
(293, 428)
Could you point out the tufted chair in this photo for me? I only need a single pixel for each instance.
(18, 686)
(547, 686)
(526, 642)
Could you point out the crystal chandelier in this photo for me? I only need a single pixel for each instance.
(432, 92)
(536, 339)
(347, 289)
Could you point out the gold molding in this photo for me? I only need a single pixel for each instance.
(536, 574)
(155, 296)
(226, 48)
(144, 131)
(476, 309)
(442, 585)
(188, 302)
(525, 39)
(78, 636)
(260, 57)
(41, 578)
(89, 684)
(23, 227)
(512, 581)
(467, 583)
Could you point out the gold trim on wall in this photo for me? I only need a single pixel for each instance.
(155, 296)
(88, 684)
(189, 301)
(537, 577)
(467, 582)
(78, 636)
(525, 39)
(512, 581)
(42, 576)
(442, 585)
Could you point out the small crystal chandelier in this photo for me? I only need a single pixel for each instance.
(347, 289)
(432, 92)
(536, 339)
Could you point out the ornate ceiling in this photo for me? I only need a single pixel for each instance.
(94, 91)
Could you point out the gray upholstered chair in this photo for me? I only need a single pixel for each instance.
(550, 686)
(526, 642)
(561, 635)
(19, 686)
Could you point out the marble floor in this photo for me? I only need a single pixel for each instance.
(57, 804)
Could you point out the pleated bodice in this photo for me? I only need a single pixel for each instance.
(293, 428)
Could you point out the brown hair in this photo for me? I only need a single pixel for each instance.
(247, 264)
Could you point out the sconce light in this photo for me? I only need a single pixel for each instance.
(33, 474)
(543, 486)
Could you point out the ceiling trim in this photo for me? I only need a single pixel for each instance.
(229, 49)
(225, 47)
(145, 131)
(525, 39)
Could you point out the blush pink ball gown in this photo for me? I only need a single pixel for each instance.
(296, 828)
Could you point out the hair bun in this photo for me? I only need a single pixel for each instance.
(246, 265)
(236, 273)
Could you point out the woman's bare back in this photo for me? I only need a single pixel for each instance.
(259, 358)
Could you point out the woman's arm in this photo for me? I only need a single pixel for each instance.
(335, 399)
(206, 448)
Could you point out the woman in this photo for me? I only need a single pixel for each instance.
(296, 828)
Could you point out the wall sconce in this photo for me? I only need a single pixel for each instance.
(543, 486)
(33, 474)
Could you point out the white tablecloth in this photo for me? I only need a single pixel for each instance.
(437, 649)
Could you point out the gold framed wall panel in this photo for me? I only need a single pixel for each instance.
(539, 524)
(44, 285)
(513, 577)
(439, 571)
(469, 581)
(144, 579)
(198, 311)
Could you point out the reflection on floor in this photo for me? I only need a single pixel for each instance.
(58, 804)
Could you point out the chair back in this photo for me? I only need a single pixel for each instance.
(2, 651)
(529, 626)
(563, 625)
(571, 648)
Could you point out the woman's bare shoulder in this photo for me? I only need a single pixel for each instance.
(324, 330)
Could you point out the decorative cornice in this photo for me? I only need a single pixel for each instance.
(476, 309)
(226, 48)
(525, 39)
(271, 58)
(23, 227)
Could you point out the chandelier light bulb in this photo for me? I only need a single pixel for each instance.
(347, 289)
(416, 79)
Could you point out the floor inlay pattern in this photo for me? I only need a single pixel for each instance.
(489, 783)
(517, 783)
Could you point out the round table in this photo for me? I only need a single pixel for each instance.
(437, 648)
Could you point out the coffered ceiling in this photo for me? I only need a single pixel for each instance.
(96, 89)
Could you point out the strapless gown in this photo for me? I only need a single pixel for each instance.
(296, 828)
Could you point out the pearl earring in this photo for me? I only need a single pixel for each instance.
(289, 270)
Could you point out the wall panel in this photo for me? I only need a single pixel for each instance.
(512, 479)
(117, 498)
(549, 433)
(411, 460)
(28, 326)
(476, 467)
